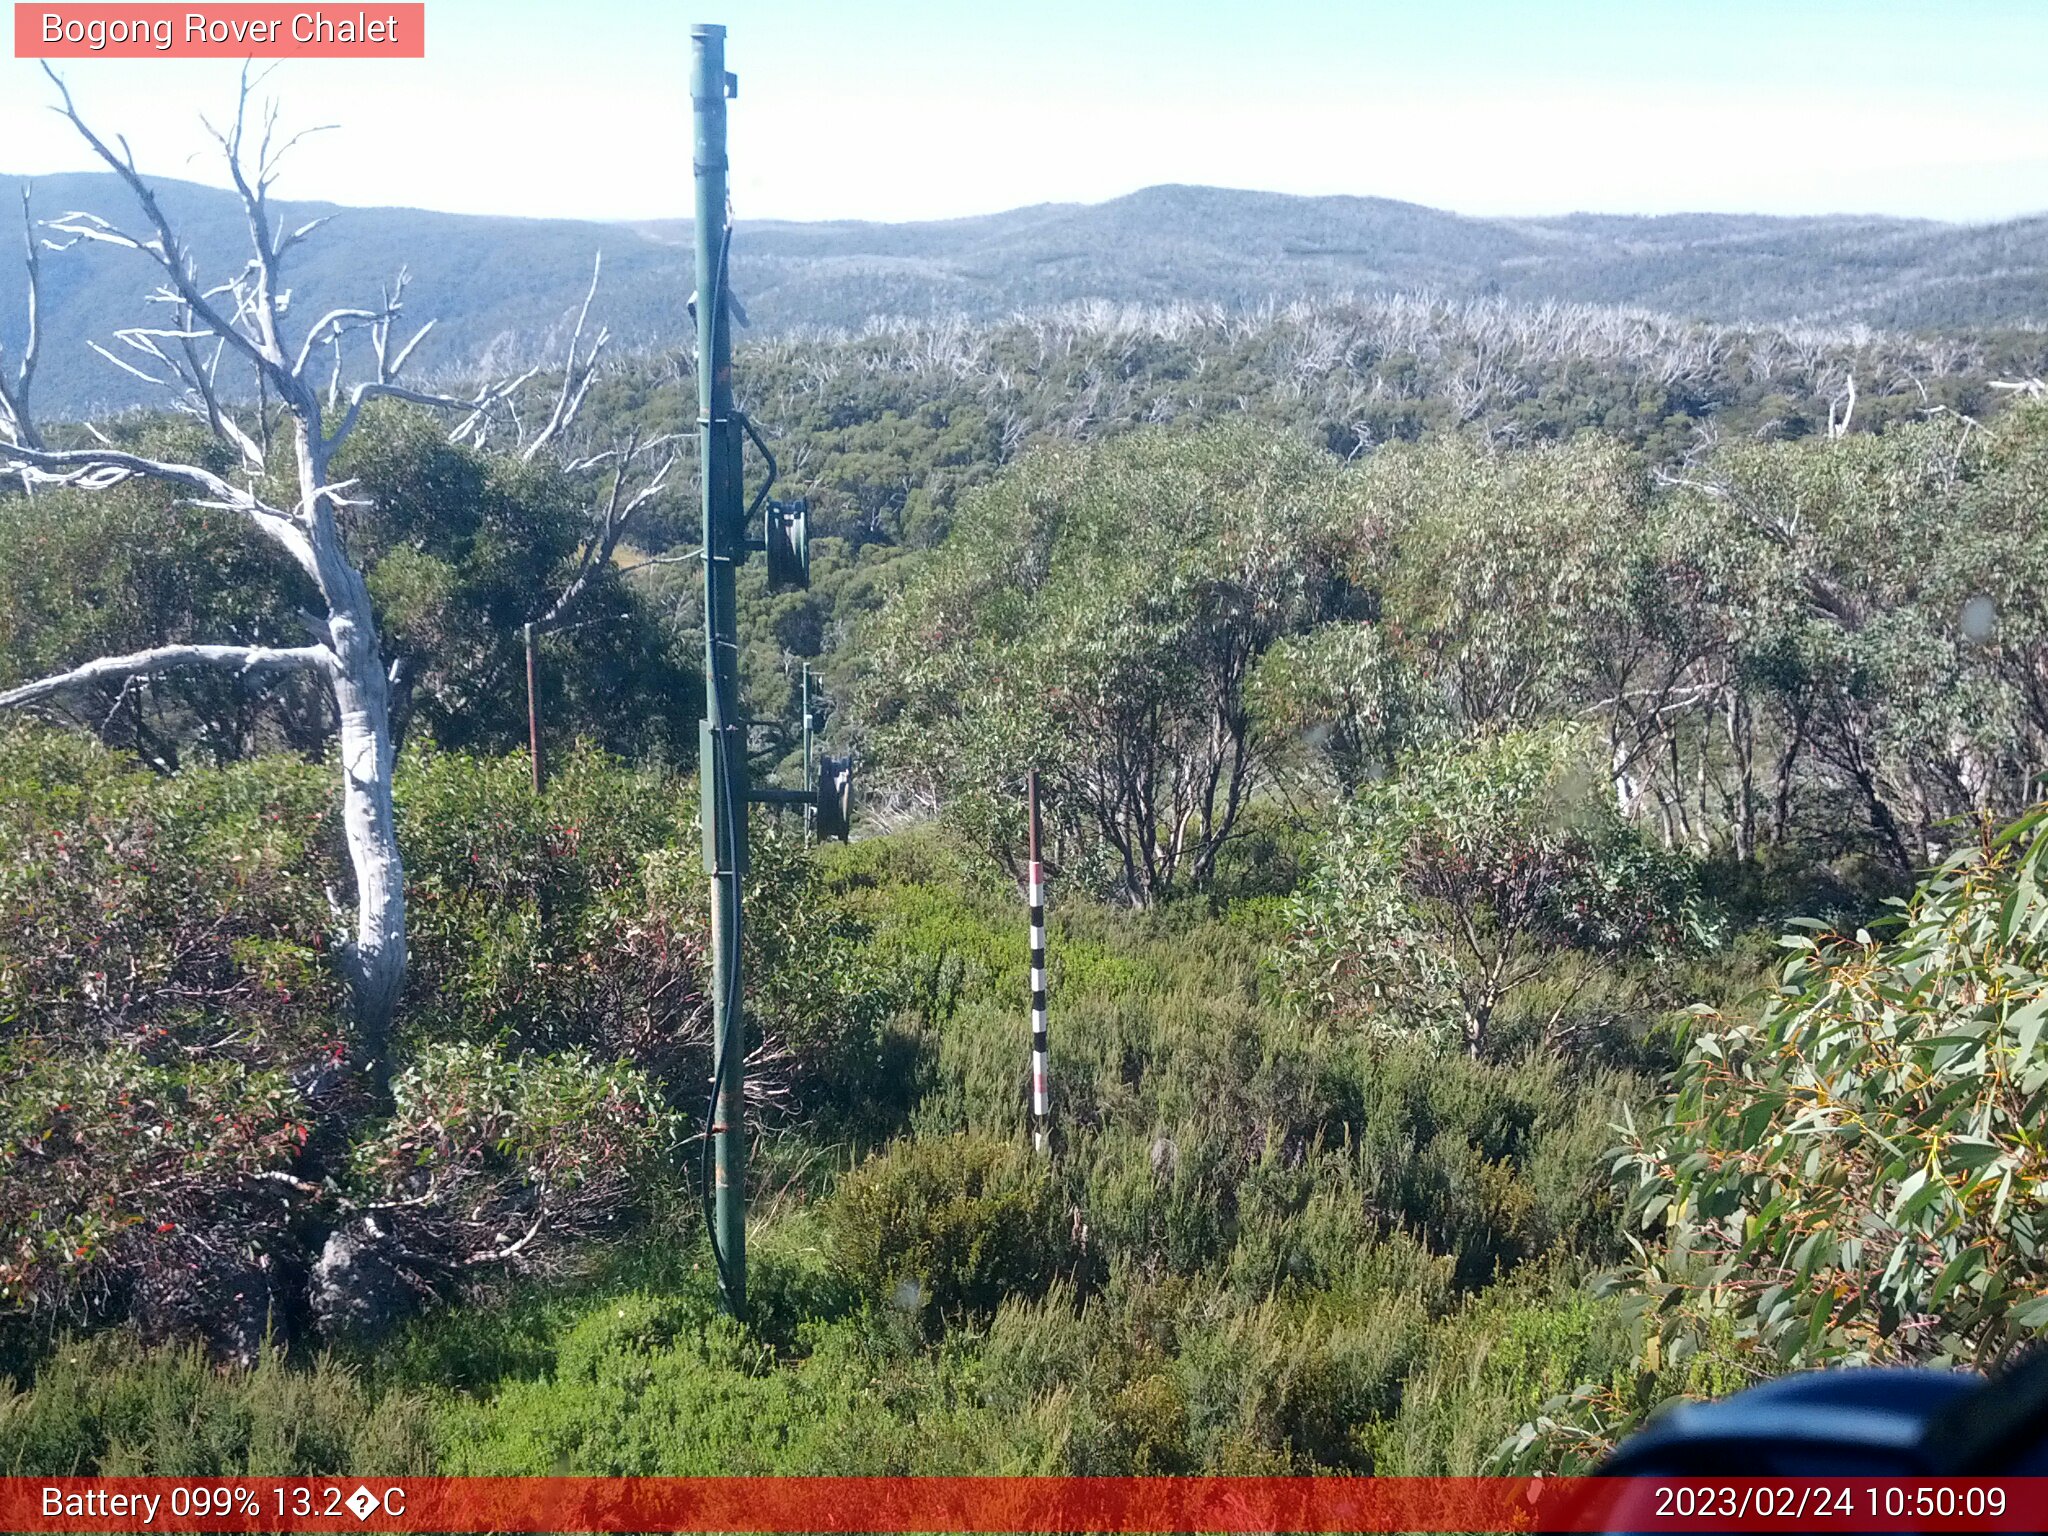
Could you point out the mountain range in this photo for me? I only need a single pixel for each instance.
(504, 288)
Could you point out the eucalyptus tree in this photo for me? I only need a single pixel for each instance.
(112, 572)
(1343, 698)
(1450, 886)
(276, 477)
(1499, 564)
(1492, 590)
(1097, 615)
(1844, 571)
(463, 550)
(1844, 1175)
(1999, 589)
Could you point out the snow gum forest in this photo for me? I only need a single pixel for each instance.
(1542, 818)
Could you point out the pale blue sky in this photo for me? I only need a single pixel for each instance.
(894, 109)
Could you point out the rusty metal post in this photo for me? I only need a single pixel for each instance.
(533, 713)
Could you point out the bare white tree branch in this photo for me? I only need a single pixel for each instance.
(164, 248)
(578, 370)
(14, 397)
(478, 405)
(243, 660)
(244, 317)
(98, 469)
(614, 514)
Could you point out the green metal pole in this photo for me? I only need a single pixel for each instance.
(810, 780)
(722, 754)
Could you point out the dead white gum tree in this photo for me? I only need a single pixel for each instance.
(242, 323)
(630, 473)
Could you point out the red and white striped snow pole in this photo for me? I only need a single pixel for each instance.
(1041, 1097)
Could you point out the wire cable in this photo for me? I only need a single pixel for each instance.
(722, 785)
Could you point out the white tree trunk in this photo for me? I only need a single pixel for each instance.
(376, 960)
(376, 955)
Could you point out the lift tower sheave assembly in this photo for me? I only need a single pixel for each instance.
(721, 754)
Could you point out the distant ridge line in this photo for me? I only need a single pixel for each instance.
(500, 284)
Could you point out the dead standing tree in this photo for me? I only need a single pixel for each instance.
(242, 322)
(15, 419)
(630, 473)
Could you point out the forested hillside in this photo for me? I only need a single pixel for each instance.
(501, 286)
(1512, 773)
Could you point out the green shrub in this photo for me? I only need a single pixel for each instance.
(795, 1287)
(150, 1184)
(166, 989)
(1854, 1173)
(1095, 614)
(530, 917)
(1456, 882)
(1173, 1373)
(626, 1329)
(176, 1141)
(159, 913)
(105, 1407)
(947, 1226)
(578, 920)
(488, 1159)
(635, 1399)
(1498, 1363)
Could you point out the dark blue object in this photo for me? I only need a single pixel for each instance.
(1854, 1423)
(1847, 1423)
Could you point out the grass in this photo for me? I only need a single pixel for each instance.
(1262, 1245)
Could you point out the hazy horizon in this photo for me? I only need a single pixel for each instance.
(913, 111)
(284, 194)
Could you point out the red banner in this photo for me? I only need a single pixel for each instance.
(1022, 1504)
(242, 31)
